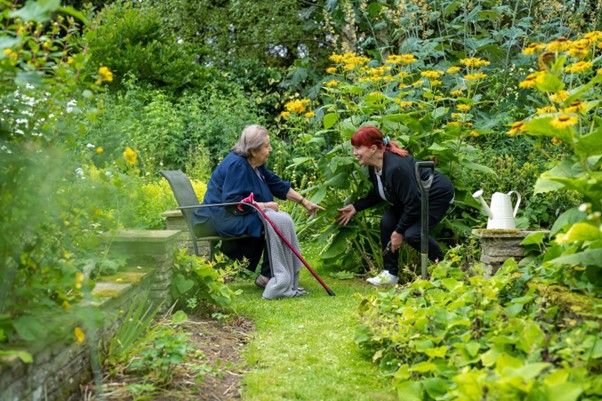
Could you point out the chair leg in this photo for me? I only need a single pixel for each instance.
(211, 250)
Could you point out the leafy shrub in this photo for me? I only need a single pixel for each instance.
(461, 336)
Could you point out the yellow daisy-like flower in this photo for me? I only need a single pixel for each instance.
(474, 133)
(559, 96)
(475, 77)
(474, 62)
(435, 83)
(310, 114)
(296, 106)
(599, 72)
(130, 156)
(558, 45)
(563, 121)
(532, 49)
(531, 80)
(285, 114)
(516, 127)
(453, 70)
(9, 53)
(576, 107)
(403, 103)
(555, 140)
(463, 107)
(431, 74)
(593, 36)
(79, 279)
(332, 83)
(454, 124)
(546, 109)
(456, 93)
(99, 150)
(401, 59)
(105, 74)
(578, 67)
(580, 48)
(331, 70)
(80, 337)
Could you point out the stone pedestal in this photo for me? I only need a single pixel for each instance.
(499, 245)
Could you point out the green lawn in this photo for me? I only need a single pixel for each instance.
(303, 347)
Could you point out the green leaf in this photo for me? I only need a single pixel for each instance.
(409, 391)
(590, 257)
(29, 328)
(182, 284)
(435, 387)
(439, 112)
(590, 144)
(40, 10)
(10, 355)
(532, 336)
(580, 231)
(549, 83)
(8, 42)
(436, 352)
(179, 317)
(535, 238)
(329, 120)
(74, 13)
(424, 367)
(571, 216)
(564, 392)
(472, 348)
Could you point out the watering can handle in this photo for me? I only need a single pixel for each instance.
(427, 164)
(518, 198)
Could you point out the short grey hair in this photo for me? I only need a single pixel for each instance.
(251, 138)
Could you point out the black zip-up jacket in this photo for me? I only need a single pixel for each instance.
(401, 189)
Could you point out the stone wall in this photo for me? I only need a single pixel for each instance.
(59, 367)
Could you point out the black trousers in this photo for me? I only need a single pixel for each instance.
(251, 248)
(411, 236)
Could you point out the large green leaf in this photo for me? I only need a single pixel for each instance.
(589, 257)
(571, 216)
(40, 10)
(590, 144)
(565, 392)
(542, 126)
(551, 179)
(8, 42)
(329, 120)
(409, 391)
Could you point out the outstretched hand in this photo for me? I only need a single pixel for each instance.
(345, 214)
(312, 208)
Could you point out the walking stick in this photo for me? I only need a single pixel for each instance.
(250, 199)
(425, 186)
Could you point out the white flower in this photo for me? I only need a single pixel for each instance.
(583, 207)
(90, 146)
(79, 172)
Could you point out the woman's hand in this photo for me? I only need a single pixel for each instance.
(312, 208)
(396, 241)
(269, 205)
(345, 214)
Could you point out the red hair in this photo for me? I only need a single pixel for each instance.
(368, 136)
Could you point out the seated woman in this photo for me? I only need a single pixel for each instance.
(241, 173)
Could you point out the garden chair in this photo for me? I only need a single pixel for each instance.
(187, 203)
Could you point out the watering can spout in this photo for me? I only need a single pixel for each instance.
(479, 196)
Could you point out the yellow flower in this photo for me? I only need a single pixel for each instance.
(401, 59)
(331, 70)
(532, 49)
(100, 150)
(453, 70)
(599, 72)
(546, 109)
(130, 156)
(516, 127)
(556, 141)
(474, 62)
(80, 337)
(578, 67)
(309, 114)
(559, 96)
(9, 53)
(435, 83)
(332, 83)
(558, 45)
(593, 36)
(456, 93)
(463, 107)
(285, 115)
(457, 116)
(105, 75)
(79, 279)
(475, 77)
(576, 107)
(474, 133)
(403, 103)
(531, 80)
(296, 106)
(418, 83)
(580, 48)
(454, 124)
(563, 121)
(431, 74)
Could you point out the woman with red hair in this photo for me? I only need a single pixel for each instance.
(391, 170)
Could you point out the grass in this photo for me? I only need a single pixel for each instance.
(303, 348)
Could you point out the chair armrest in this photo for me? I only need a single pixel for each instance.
(203, 205)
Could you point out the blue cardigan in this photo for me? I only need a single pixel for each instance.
(232, 180)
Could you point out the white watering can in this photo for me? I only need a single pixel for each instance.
(500, 212)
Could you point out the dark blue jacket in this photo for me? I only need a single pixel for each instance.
(232, 180)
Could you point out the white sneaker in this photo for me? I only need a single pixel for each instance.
(384, 278)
